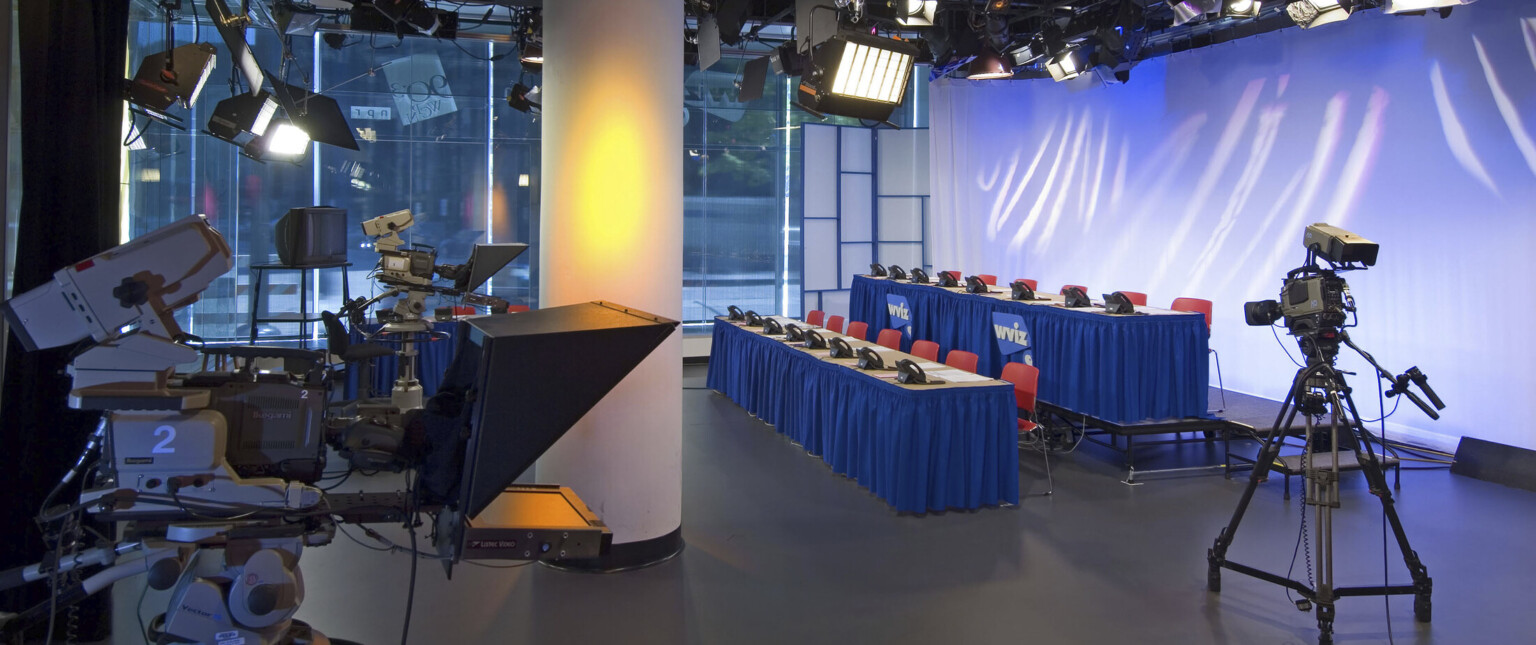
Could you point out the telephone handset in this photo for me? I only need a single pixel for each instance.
(919, 276)
(870, 360)
(753, 320)
(813, 340)
(908, 372)
(897, 273)
(876, 270)
(792, 332)
(1021, 291)
(841, 348)
(947, 279)
(974, 284)
(772, 327)
(735, 312)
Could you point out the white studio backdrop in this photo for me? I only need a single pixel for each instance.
(1198, 177)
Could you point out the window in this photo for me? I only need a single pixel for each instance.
(438, 138)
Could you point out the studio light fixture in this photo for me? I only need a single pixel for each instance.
(988, 65)
(316, 114)
(242, 117)
(533, 53)
(522, 98)
(857, 75)
(169, 78)
(1316, 13)
(1421, 7)
(1190, 10)
(1068, 64)
(919, 13)
(1241, 9)
(1027, 53)
(532, 57)
(283, 141)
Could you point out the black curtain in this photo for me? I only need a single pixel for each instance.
(72, 61)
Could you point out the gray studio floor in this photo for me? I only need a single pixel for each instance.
(782, 550)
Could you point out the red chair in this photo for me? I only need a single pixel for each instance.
(815, 317)
(1197, 305)
(1026, 386)
(988, 278)
(1138, 299)
(835, 323)
(953, 274)
(1034, 285)
(962, 359)
(859, 330)
(926, 349)
(890, 338)
(513, 309)
(1069, 286)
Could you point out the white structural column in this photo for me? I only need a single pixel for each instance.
(611, 228)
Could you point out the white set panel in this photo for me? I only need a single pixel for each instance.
(820, 247)
(905, 255)
(835, 303)
(857, 155)
(901, 219)
(903, 168)
(857, 212)
(820, 170)
(856, 259)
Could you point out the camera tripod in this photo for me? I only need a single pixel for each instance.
(1319, 389)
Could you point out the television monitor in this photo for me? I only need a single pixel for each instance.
(311, 236)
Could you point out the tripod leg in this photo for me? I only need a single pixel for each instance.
(1423, 585)
(1217, 555)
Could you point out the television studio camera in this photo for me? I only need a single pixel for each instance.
(1315, 306)
(214, 473)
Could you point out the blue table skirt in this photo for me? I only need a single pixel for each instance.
(431, 361)
(919, 450)
(1118, 368)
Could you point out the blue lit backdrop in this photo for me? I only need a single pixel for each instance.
(1198, 176)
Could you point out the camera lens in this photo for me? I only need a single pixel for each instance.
(1262, 313)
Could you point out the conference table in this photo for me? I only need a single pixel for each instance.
(918, 447)
(1152, 364)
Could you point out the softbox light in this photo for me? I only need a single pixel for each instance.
(241, 117)
(859, 76)
(1068, 64)
(157, 87)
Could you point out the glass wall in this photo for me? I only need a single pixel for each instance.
(437, 137)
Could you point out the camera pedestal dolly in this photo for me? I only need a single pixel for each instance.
(1319, 389)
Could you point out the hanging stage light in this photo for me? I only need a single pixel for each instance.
(988, 65)
(242, 117)
(1068, 64)
(171, 77)
(856, 75)
(1027, 53)
(1191, 10)
(1241, 9)
(521, 98)
(1422, 6)
(920, 13)
(1316, 13)
(283, 141)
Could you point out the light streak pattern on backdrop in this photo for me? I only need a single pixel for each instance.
(1198, 176)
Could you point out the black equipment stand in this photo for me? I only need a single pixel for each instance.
(1320, 389)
